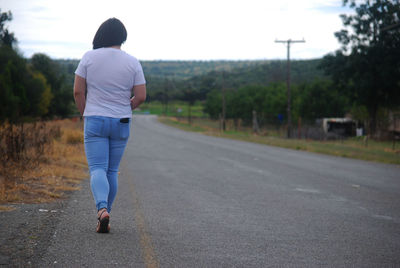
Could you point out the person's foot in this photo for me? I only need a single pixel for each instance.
(103, 225)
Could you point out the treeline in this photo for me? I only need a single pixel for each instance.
(29, 89)
(32, 88)
(230, 74)
(261, 88)
(169, 80)
(171, 76)
(187, 69)
(310, 100)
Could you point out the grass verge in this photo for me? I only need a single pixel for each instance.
(60, 170)
(351, 148)
(174, 108)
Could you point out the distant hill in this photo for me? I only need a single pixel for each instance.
(175, 69)
(267, 72)
(175, 76)
(188, 69)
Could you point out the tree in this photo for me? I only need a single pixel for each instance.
(61, 94)
(267, 101)
(6, 38)
(190, 96)
(39, 95)
(274, 102)
(23, 92)
(245, 100)
(9, 102)
(320, 99)
(213, 104)
(367, 67)
(13, 78)
(13, 101)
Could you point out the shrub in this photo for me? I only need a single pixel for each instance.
(23, 146)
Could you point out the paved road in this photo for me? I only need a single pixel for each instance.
(188, 200)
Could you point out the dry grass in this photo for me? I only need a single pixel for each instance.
(7, 208)
(61, 167)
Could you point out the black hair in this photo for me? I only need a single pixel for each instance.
(110, 33)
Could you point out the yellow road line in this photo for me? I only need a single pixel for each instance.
(149, 256)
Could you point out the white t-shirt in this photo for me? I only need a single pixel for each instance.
(110, 75)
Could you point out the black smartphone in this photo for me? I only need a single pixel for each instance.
(124, 120)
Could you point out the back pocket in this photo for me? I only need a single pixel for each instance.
(124, 130)
(94, 126)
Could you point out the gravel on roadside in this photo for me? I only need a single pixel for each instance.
(26, 232)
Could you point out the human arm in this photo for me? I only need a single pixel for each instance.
(139, 96)
(79, 93)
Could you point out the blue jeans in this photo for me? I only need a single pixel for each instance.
(105, 142)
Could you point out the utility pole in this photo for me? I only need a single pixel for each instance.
(289, 115)
(223, 102)
(166, 88)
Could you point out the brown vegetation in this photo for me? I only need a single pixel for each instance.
(40, 162)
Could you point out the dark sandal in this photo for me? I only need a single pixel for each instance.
(103, 222)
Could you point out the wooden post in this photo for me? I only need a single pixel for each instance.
(223, 102)
(256, 128)
(299, 128)
(190, 114)
(394, 132)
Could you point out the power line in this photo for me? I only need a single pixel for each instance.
(223, 102)
(289, 115)
(391, 27)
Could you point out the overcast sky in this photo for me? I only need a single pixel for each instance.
(180, 29)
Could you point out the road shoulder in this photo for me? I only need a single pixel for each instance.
(27, 230)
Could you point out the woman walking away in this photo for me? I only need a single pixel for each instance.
(104, 81)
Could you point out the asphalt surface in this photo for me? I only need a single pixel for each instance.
(189, 200)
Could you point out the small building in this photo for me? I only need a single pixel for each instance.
(340, 126)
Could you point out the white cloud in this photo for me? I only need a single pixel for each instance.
(177, 29)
